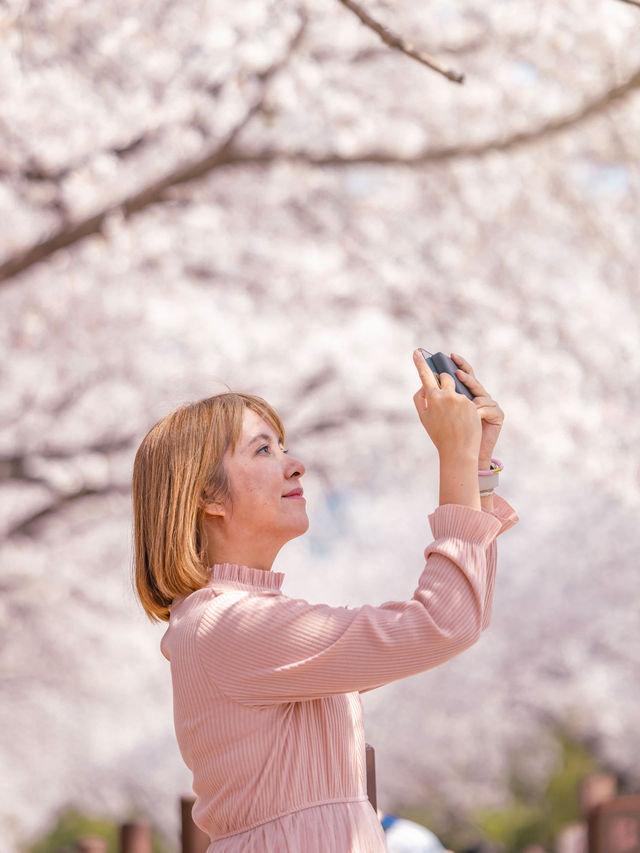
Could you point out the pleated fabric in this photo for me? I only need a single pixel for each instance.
(341, 827)
(266, 688)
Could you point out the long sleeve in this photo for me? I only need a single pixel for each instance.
(507, 517)
(263, 649)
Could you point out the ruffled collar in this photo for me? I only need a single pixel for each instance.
(243, 577)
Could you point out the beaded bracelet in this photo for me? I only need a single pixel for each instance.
(488, 480)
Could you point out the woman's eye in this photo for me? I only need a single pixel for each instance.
(267, 449)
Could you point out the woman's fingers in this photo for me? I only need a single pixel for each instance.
(476, 388)
(427, 376)
(446, 382)
(485, 400)
(451, 422)
(462, 363)
(465, 374)
(489, 411)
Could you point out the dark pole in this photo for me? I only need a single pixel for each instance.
(135, 837)
(194, 840)
(371, 776)
(615, 826)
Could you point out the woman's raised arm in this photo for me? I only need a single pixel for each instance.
(262, 649)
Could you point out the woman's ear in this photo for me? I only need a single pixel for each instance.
(213, 509)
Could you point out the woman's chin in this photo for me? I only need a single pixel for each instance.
(301, 527)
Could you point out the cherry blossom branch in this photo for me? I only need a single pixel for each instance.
(16, 466)
(631, 2)
(507, 143)
(155, 192)
(452, 152)
(228, 154)
(36, 172)
(399, 43)
(26, 526)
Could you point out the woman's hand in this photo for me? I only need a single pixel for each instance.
(450, 419)
(490, 412)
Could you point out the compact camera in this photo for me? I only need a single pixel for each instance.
(441, 363)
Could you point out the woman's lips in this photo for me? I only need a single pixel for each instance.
(296, 494)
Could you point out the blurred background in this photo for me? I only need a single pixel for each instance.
(265, 195)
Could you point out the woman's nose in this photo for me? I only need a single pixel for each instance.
(295, 468)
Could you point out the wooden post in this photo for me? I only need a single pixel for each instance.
(595, 789)
(614, 827)
(371, 776)
(135, 837)
(194, 840)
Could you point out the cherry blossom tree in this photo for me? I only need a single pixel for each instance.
(288, 197)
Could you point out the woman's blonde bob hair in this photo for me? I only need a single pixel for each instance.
(178, 468)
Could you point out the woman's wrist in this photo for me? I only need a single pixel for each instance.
(459, 480)
(457, 457)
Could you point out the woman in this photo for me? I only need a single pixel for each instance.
(266, 688)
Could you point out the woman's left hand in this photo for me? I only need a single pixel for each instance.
(490, 412)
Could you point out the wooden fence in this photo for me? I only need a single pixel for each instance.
(611, 823)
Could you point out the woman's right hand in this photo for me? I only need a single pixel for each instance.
(450, 419)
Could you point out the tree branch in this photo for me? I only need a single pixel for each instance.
(227, 155)
(37, 173)
(154, 192)
(399, 43)
(32, 467)
(70, 234)
(632, 2)
(16, 466)
(26, 526)
(456, 152)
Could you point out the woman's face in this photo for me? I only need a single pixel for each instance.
(266, 494)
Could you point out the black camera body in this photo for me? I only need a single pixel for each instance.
(441, 363)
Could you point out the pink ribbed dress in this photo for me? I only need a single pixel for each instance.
(266, 688)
